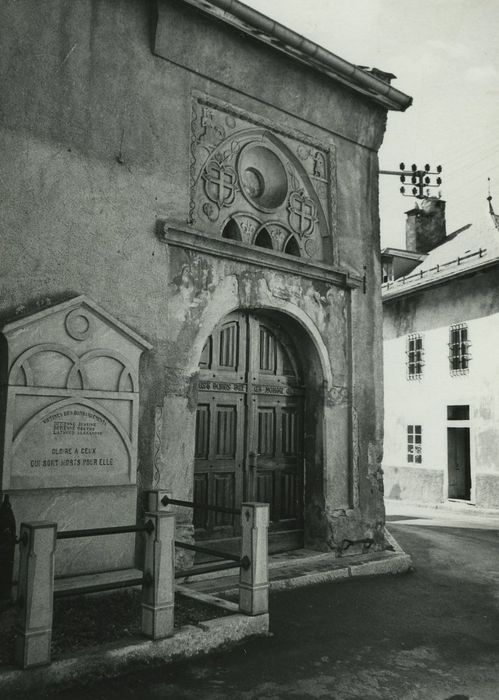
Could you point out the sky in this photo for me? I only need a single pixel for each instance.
(445, 54)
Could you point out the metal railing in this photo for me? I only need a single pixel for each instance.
(244, 562)
(166, 500)
(436, 268)
(96, 531)
(38, 543)
(144, 580)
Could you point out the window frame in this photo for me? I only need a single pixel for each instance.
(415, 356)
(459, 355)
(414, 445)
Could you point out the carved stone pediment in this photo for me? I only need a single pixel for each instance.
(260, 183)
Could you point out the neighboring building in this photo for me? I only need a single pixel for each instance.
(441, 366)
(202, 183)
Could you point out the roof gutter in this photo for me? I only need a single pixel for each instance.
(279, 36)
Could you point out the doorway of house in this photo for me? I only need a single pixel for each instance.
(249, 430)
(458, 461)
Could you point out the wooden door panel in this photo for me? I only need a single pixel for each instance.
(267, 354)
(226, 432)
(201, 490)
(250, 403)
(224, 356)
(223, 494)
(266, 443)
(228, 344)
(202, 443)
(218, 462)
(290, 430)
(289, 493)
(265, 488)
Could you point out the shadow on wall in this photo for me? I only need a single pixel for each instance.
(395, 492)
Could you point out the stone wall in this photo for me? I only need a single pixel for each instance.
(473, 300)
(95, 131)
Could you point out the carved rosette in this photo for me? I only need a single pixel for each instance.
(258, 182)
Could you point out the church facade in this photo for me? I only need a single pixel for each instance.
(190, 274)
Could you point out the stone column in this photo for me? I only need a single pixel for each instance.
(158, 595)
(154, 501)
(254, 581)
(35, 593)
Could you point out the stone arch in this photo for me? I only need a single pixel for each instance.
(287, 309)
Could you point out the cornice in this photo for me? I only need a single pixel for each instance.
(178, 236)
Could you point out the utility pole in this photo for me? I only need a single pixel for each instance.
(420, 179)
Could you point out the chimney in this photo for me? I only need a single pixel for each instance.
(425, 225)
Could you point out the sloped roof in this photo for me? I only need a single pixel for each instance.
(467, 250)
(373, 83)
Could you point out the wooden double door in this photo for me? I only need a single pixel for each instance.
(249, 430)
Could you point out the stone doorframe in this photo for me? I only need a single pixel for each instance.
(328, 427)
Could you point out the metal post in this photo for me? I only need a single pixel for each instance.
(254, 581)
(35, 593)
(158, 595)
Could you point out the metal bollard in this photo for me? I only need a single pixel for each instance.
(158, 593)
(35, 593)
(254, 581)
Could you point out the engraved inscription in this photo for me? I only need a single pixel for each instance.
(222, 386)
(69, 441)
(63, 426)
(276, 390)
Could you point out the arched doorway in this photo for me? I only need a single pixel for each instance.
(249, 429)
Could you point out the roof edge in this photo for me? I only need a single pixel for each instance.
(286, 40)
(401, 253)
(387, 295)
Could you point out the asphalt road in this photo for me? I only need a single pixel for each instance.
(429, 635)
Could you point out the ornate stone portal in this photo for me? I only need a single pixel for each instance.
(261, 183)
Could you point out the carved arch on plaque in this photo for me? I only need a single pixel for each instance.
(263, 239)
(77, 377)
(22, 363)
(291, 246)
(126, 375)
(80, 401)
(232, 231)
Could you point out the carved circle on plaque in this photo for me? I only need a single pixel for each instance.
(263, 177)
(77, 324)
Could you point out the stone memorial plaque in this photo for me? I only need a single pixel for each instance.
(71, 415)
